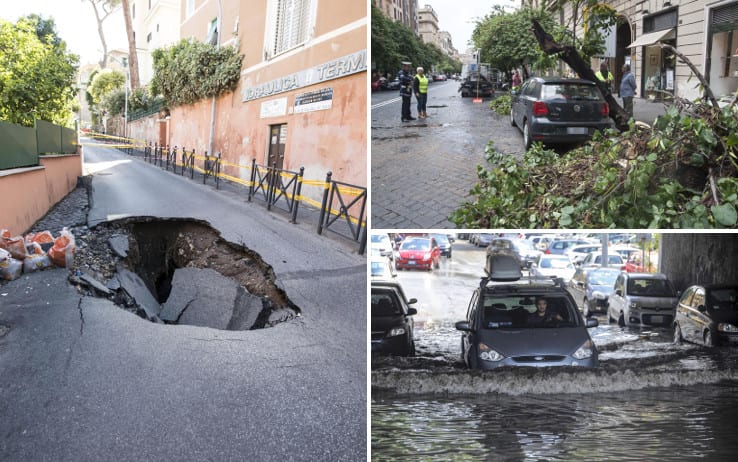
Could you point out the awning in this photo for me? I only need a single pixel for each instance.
(653, 37)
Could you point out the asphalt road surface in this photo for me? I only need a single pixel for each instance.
(84, 380)
(423, 170)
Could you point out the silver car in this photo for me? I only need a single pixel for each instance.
(642, 299)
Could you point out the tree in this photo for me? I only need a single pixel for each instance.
(132, 56)
(38, 75)
(506, 41)
(104, 83)
(108, 7)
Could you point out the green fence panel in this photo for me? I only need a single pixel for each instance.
(68, 140)
(17, 146)
(48, 137)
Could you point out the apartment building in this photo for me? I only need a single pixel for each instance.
(301, 101)
(155, 25)
(403, 11)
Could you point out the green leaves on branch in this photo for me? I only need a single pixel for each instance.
(190, 71)
(37, 73)
(501, 104)
(679, 174)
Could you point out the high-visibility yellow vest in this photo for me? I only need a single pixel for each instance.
(422, 83)
(599, 75)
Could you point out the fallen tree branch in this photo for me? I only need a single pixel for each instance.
(700, 77)
(570, 56)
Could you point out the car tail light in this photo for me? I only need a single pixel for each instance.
(605, 110)
(540, 109)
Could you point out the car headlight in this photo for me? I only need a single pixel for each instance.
(726, 327)
(427, 256)
(488, 354)
(635, 306)
(585, 351)
(396, 331)
(599, 295)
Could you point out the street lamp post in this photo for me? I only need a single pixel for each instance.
(125, 113)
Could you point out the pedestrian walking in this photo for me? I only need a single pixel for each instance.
(604, 75)
(406, 90)
(420, 87)
(627, 90)
(516, 79)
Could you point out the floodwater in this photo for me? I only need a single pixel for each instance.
(649, 400)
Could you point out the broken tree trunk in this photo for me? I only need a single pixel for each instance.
(570, 56)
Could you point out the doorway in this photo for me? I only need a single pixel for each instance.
(277, 143)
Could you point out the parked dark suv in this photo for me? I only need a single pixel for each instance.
(392, 322)
(558, 110)
(708, 314)
(523, 322)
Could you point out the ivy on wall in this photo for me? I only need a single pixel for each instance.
(190, 71)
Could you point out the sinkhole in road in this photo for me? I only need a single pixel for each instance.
(182, 271)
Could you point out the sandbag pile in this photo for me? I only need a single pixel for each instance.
(36, 251)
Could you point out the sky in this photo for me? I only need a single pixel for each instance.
(75, 24)
(458, 17)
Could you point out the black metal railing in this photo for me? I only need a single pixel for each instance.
(337, 206)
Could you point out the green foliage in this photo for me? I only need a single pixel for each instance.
(636, 179)
(37, 75)
(501, 104)
(190, 71)
(393, 43)
(506, 40)
(139, 100)
(104, 83)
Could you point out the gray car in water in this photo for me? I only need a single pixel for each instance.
(642, 299)
(513, 321)
(558, 110)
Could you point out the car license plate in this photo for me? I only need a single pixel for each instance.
(577, 130)
(411, 262)
(657, 319)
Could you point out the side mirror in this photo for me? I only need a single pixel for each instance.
(580, 284)
(513, 92)
(412, 311)
(592, 322)
(619, 292)
(701, 308)
(385, 253)
(412, 300)
(463, 326)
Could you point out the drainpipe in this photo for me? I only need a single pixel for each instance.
(212, 106)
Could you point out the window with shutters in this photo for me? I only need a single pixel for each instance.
(292, 26)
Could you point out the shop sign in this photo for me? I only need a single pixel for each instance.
(337, 68)
(314, 100)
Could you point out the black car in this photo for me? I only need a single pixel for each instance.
(557, 110)
(476, 85)
(708, 314)
(392, 322)
(444, 243)
(514, 322)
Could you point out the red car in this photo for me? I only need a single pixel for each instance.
(419, 252)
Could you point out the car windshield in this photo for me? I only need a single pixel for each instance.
(570, 91)
(650, 287)
(555, 263)
(380, 239)
(612, 259)
(385, 304)
(603, 278)
(379, 268)
(516, 311)
(416, 244)
(442, 239)
(723, 299)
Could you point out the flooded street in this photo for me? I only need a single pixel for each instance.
(649, 399)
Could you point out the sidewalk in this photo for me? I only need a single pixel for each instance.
(645, 110)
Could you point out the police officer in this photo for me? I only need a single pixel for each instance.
(604, 75)
(406, 90)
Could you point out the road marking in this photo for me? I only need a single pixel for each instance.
(385, 103)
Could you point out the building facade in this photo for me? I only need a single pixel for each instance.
(301, 100)
(704, 31)
(155, 25)
(403, 11)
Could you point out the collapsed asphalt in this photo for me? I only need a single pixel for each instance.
(84, 380)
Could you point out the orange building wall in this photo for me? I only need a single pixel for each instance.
(30, 193)
(334, 139)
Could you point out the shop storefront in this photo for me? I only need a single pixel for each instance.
(722, 49)
(659, 65)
